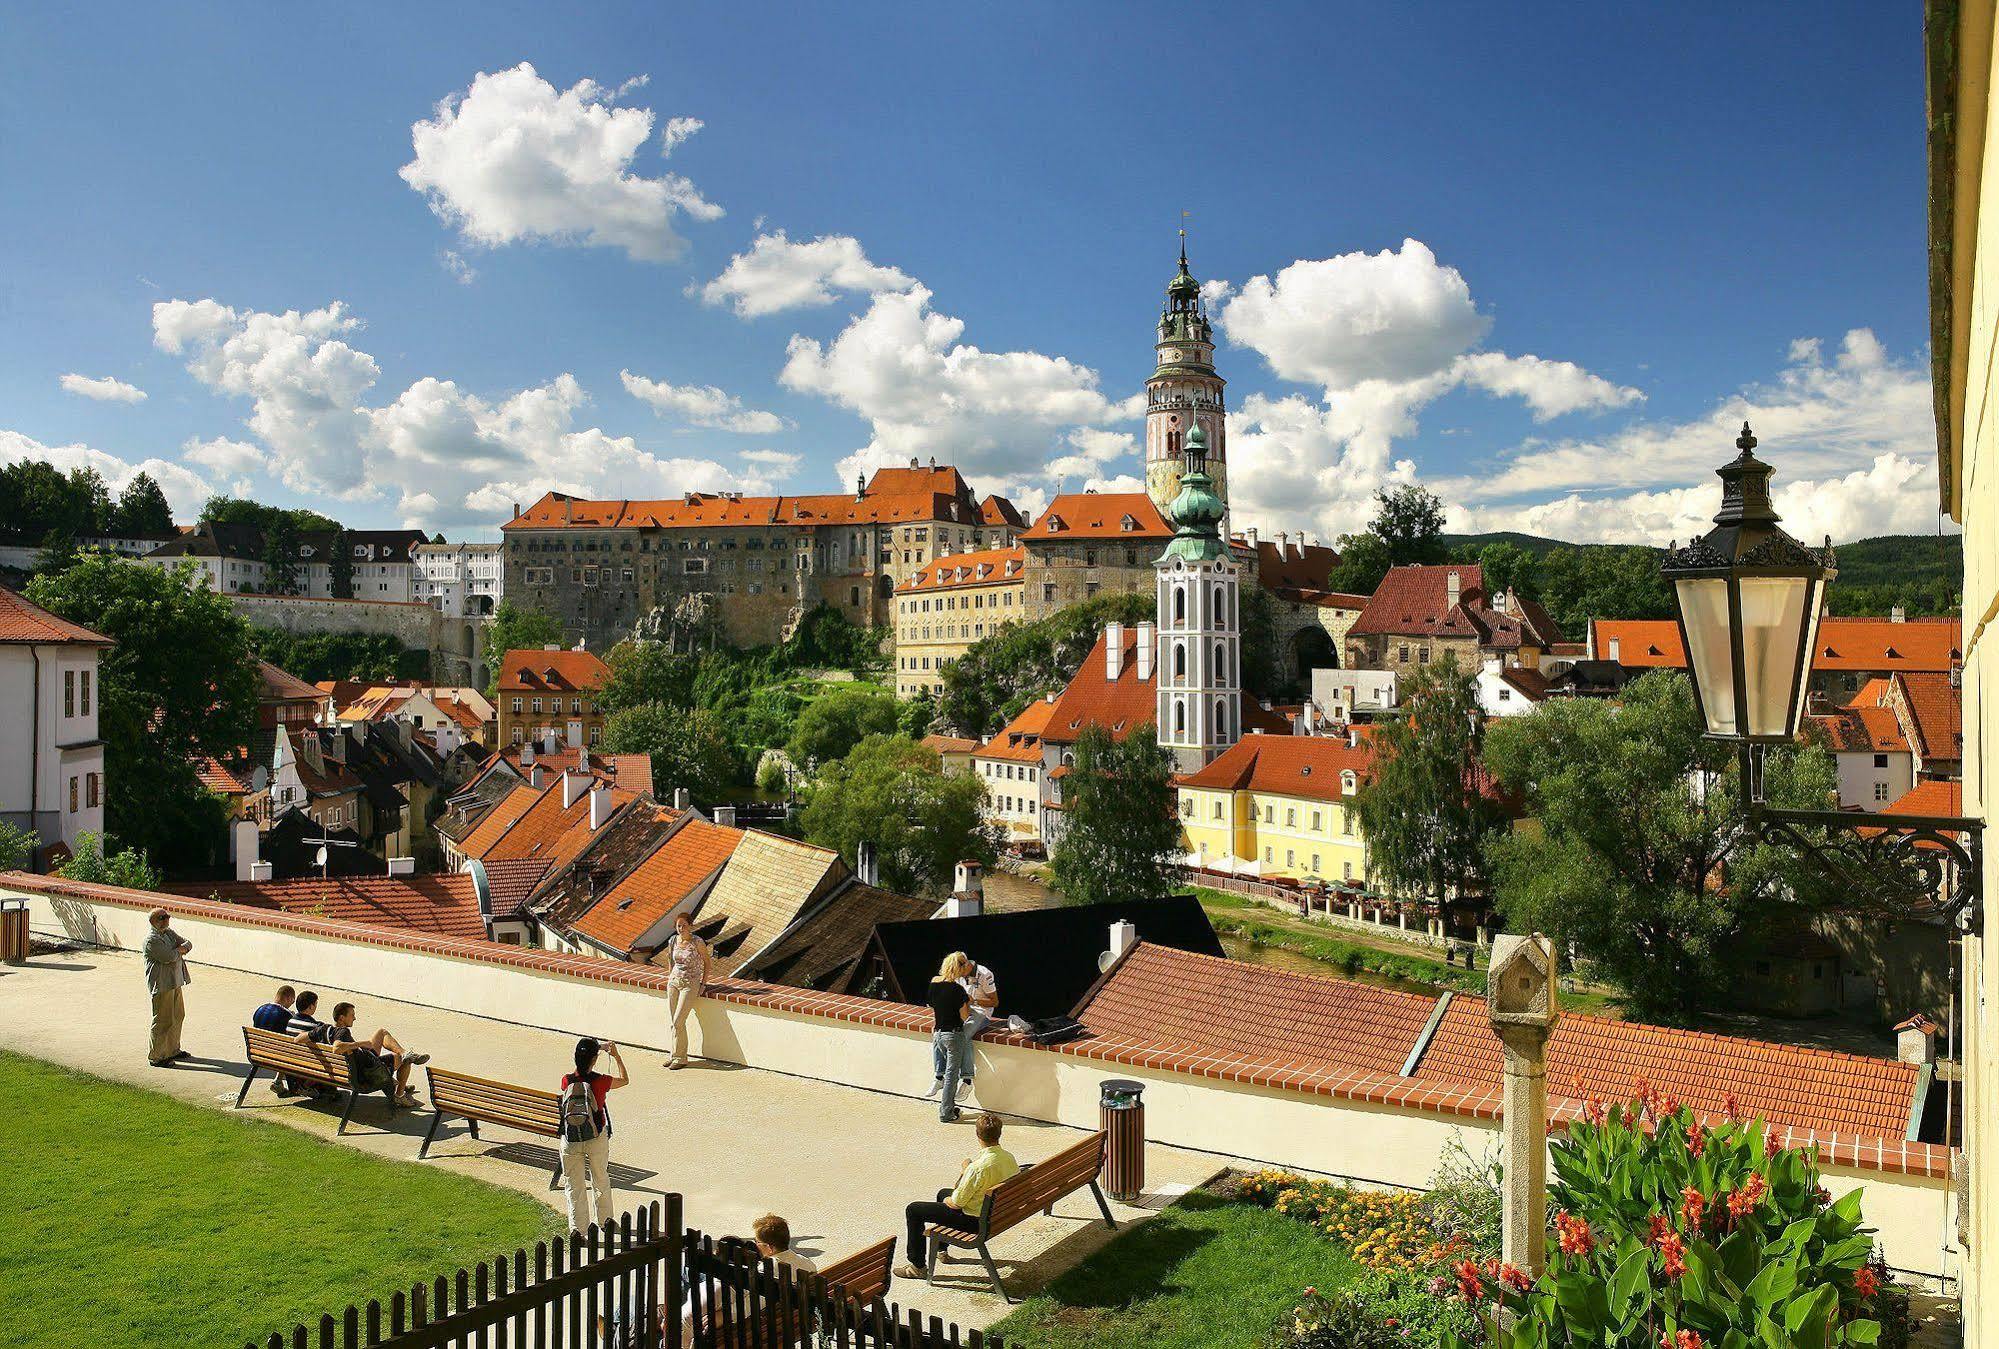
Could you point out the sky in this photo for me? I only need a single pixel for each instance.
(414, 265)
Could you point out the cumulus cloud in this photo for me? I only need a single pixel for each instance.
(777, 274)
(185, 490)
(924, 392)
(701, 405)
(224, 457)
(778, 463)
(512, 159)
(1550, 388)
(105, 390)
(677, 130)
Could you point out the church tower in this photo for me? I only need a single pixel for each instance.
(1199, 679)
(1184, 392)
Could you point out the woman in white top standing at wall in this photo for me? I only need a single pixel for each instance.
(687, 963)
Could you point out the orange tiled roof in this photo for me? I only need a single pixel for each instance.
(1294, 566)
(1019, 741)
(893, 495)
(1120, 705)
(548, 829)
(333, 779)
(1415, 601)
(655, 887)
(219, 777)
(949, 744)
(533, 670)
(503, 816)
(281, 687)
(1865, 730)
(446, 905)
(509, 883)
(1307, 766)
(23, 622)
(1936, 706)
(1843, 643)
(987, 567)
(1100, 515)
(997, 510)
(1931, 796)
(626, 770)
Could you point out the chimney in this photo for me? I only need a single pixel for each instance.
(1451, 589)
(1898, 614)
(860, 487)
(600, 806)
(567, 511)
(517, 510)
(1615, 643)
(1113, 650)
(583, 758)
(968, 900)
(572, 787)
(866, 869)
(681, 799)
(243, 839)
(548, 742)
(527, 755)
(725, 816)
(1124, 936)
(534, 776)
(402, 866)
(1148, 644)
(1249, 537)
(1916, 1040)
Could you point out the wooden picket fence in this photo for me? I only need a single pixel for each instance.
(643, 1282)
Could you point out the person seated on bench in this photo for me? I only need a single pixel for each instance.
(378, 1063)
(276, 1016)
(774, 1243)
(307, 1027)
(958, 1208)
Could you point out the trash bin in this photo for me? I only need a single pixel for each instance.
(1123, 1114)
(14, 931)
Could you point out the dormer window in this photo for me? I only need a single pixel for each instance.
(1056, 524)
(1127, 524)
(1347, 781)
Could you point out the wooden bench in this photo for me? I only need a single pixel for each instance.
(289, 1057)
(1034, 1190)
(863, 1276)
(745, 1300)
(479, 1100)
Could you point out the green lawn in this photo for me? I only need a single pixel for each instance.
(1208, 1273)
(135, 1219)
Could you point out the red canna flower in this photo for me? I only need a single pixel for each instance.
(1515, 1278)
(1675, 1252)
(1686, 1339)
(1866, 1282)
(1748, 1197)
(1693, 1207)
(1696, 1138)
(1576, 1237)
(1469, 1287)
(1594, 1111)
(1657, 1227)
(1732, 1108)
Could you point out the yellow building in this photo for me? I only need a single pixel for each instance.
(1964, 328)
(1277, 805)
(948, 605)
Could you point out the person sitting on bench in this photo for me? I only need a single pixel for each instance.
(306, 1026)
(958, 1207)
(774, 1244)
(276, 1016)
(377, 1063)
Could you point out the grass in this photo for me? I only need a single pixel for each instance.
(133, 1218)
(1261, 925)
(1207, 1273)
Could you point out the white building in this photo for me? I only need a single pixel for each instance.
(1355, 695)
(1199, 710)
(51, 759)
(459, 580)
(231, 558)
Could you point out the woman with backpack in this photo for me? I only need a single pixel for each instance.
(586, 1132)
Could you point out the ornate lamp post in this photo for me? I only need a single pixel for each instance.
(1749, 598)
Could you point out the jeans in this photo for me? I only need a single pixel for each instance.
(922, 1214)
(950, 1057)
(587, 1167)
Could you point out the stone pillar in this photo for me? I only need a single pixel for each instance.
(1524, 1004)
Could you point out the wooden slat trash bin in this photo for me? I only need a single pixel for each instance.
(1122, 1111)
(14, 931)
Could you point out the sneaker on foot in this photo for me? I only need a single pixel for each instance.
(418, 1060)
(964, 1090)
(935, 1087)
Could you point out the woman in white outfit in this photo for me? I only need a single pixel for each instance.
(687, 962)
(586, 1160)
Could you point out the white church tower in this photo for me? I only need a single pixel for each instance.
(1199, 678)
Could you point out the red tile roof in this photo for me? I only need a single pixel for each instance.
(988, 567)
(1415, 602)
(23, 622)
(1295, 567)
(502, 817)
(446, 905)
(1100, 515)
(1865, 730)
(690, 856)
(1120, 705)
(548, 829)
(1843, 643)
(531, 670)
(509, 883)
(219, 777)
(949, 744)
(997, 510)
(280, 687)
(1931, 796)
(627, 770)
(1936, 706)
(1308, 766)
(1019, 741)
(893, 495)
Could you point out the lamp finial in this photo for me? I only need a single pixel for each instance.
(1747, 440)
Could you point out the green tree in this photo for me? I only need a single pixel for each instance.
(1636, 853)
(128, 867)
(1423, 807)
(226, 510)
(688, 749)
(340, 567)
(17, 846)
(891, 792)
(363, 657)
(1122, 836)
(1407, 529)
(914, 716)
(827, 639)
(59, 552)
(36, 497)
(1507, 566)
(648, 672)
(1265, 671)
(280, 557)
(179, 683)
(516, 627)
(1004, 672)
(1577, 584)
(832, 724)
(142, 510)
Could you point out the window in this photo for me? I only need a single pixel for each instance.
(84, 706)
(1880, 760)
(1048, 592)
(72, 794)
(596, 734)
(537, 706)
(517, 707)
(575, 707)
(1179, 605)
(1346, 871)
(1315, 864)
(1315, 825)
(1218, 810)
(1290, 857)
(91, 788)
(1186, 807)
(1290, 818)
(69, 700)
(1266, 855)
(1880, 791)
(1270, 814)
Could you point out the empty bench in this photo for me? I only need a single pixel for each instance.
(479, 1100)
(298, 1061)
(1034, 1190)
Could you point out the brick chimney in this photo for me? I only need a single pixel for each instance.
(527, 754)
(681, 799)
(1113, 650)
(1148, 645)
(534, 776)
(1451, 588)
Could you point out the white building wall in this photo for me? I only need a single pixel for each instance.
(1870, 781)
(47, 744)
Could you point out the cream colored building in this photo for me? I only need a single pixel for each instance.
(1964, 329)
(1277, 805)
(949, 604)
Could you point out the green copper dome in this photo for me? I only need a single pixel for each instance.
(1197, 511)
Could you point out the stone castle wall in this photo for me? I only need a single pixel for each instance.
(457, 646)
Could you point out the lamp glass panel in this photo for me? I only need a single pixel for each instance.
(1773, 626)
(1704, 613)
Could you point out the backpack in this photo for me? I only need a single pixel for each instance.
(579, 1111)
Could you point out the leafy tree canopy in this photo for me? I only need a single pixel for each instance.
(128, 867)
(1407, 528)
(831, 725)
(224, 510)
(17, 846)
(1121, 840)
(142, 510)
(688, 749)
(37, 498)
(1005, 672)
(1636, 853)
(514, 627)
(362, 657)
(891, 792)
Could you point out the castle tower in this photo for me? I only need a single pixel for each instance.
(1184, 392)
(1199, 679)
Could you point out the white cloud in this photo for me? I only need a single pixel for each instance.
(701, 405)
(225, 458)
(677, 130)
(778, 463)
(106, 390)
(185, 490)
(777, 274)
(1093, 448)
(901, 365)
(1550, 388)
(461, 271)
(1123, 482)
(513, 160)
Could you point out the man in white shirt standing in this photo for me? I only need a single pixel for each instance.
(983, 990)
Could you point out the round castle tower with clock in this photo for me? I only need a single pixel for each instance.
(1184, 391)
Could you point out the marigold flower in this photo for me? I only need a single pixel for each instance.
(1866, 1282)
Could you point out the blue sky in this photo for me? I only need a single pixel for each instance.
(360, 258)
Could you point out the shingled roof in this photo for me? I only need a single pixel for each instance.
(1844, 644)
(1100, 515)
(675, 870)
(26, 623)
(768, 883)
(1308, 766)
(445, 905)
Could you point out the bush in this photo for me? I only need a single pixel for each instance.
(1377, 1309)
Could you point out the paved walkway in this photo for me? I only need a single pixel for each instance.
(838, 1162)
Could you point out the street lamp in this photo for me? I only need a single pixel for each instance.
(1750, 598)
